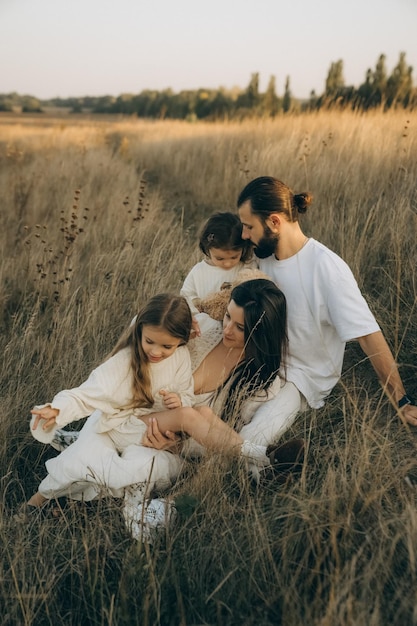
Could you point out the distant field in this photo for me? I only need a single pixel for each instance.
(97, 214)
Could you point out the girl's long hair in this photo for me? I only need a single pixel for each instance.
(266, 342)
(166, 311)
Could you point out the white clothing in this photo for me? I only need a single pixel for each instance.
(325, 309)
(199, 348)
(270, 421)
(204, 279)
(91, 466)
(273, 417)
(264, 416)
(211, 335)
(109, 390)
(93, 462)
(265, 419)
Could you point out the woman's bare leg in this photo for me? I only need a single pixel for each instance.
(202, 424)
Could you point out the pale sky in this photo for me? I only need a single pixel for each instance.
(62, 48)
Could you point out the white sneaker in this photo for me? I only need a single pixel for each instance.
(147, 520)
(135, 496)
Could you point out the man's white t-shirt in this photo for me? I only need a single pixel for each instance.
(325, 309)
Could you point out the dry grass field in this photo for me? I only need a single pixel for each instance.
(97, 215)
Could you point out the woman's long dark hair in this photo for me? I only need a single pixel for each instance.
(266, 342)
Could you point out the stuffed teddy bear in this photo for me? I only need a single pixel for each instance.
(215, 304)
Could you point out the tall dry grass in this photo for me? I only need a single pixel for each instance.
(96, 216)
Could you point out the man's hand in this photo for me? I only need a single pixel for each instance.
(377, 349)
(160, 441)
(409, 414)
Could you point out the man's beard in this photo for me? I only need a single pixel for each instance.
(267, 245)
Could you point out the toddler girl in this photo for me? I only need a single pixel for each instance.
(226, 253)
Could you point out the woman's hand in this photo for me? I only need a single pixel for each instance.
(170, 399)
(160, 441)
(48, 414)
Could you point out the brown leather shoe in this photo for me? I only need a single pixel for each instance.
(287, 458)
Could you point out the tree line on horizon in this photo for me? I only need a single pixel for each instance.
(380, 89)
